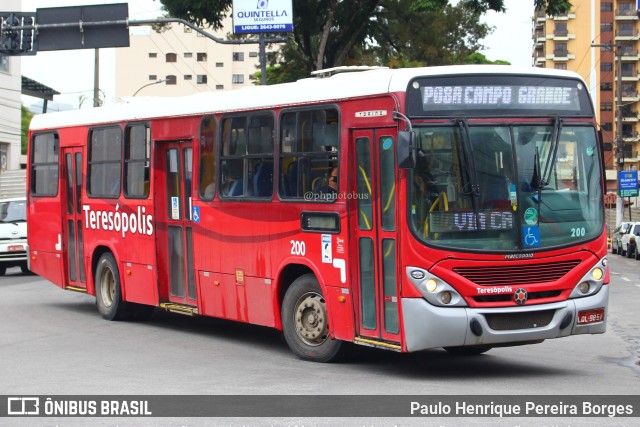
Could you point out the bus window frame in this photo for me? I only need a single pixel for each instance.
(202, 193)
(282, 196)
(220, 157)
(147, 160)
(32, 153)
(89, 157)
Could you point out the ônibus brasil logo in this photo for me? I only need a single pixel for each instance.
(120, 222)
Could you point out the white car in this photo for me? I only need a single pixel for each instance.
(630, 240)
(13, 234)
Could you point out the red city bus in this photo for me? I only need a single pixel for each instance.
(457, 207)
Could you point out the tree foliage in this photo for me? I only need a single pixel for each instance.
(329, 33)
(26, 121)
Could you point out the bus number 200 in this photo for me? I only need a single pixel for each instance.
(298, 248)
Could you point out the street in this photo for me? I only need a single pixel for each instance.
(54, 342)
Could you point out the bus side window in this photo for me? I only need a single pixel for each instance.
(309, 144)
(206, 178)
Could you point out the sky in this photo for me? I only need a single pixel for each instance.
(71, 72)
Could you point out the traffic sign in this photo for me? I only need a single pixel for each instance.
(628, 183)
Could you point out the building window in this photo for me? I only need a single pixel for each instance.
(606, 106)
(188, 77)
(201, 56)
(607, 126)
(4, 63)
(153, 77)
(606, 27)
(237, 78)
(608, 87)
(606, 66)
(104, 162)
(188, 54)
(606, 7)
(561, 29)
(188, 29)
(219, 64)
(202, 79)
(560, 66)
(171, 57)
(561, 49)
(153, 55)
(219, 87)
(253, 54)
(137, 162)
(171, 80)
(238, 56)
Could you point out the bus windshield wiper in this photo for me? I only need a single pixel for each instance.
(553, 152)
(472, 188)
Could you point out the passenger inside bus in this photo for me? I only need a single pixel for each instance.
(331, 185)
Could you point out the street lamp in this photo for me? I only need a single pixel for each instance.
(150, 84)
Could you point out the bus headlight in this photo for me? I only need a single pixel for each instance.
(433, 289)
(591, 282)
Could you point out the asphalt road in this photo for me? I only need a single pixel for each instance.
(53, 342)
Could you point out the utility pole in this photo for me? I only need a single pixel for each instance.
(96, 80)
(619, 142)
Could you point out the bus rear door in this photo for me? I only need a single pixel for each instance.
(73, 247)
(174, 225)
(373, 222)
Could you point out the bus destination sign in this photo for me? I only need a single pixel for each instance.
(499, 96)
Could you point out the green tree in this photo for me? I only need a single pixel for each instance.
(328, 33)
(478, 58)
(26, 120)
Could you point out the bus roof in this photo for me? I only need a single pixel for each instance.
(325, 89)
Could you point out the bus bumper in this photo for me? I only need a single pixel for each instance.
(428, 326)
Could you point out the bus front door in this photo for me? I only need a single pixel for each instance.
(174, 222)
(73, 247)
(373, 222)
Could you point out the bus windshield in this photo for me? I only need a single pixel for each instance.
(506, 188)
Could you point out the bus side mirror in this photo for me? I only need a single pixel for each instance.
(406, 152)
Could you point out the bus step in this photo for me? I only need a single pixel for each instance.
(380, 344)
(179, 308)
(76, 289)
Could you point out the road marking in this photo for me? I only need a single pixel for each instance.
(625, 279)
(638, 286)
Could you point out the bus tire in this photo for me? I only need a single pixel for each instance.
(3, 270)
(108, 291)
(305, 321)
(468, 351)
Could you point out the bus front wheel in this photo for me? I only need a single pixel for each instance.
(108, 293)
(305, 321)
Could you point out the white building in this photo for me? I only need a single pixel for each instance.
(10, 103)
(183, 62)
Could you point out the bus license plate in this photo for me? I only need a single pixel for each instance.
(590, 316)
(15, 248)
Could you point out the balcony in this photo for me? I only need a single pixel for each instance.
(629, 75)
(626, 14)
(624, 34)
(630, 96)
(629, 116)
(561, 55)
(630, 137)
(564, 17)
(629, 55)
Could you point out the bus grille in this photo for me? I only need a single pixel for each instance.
(509, 297)
(517, 274)
(512, 321)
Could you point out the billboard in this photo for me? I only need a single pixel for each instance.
(262, 16)
(628, 183)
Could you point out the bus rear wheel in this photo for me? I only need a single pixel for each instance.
(108, 291)
(305, 321)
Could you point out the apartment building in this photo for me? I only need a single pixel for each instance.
(10, 102)
(588, 40)
(180, 61)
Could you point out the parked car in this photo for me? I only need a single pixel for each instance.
(13, 234)
(616, 238)
(630, 240)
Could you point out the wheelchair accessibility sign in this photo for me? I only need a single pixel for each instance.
(531, 237)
